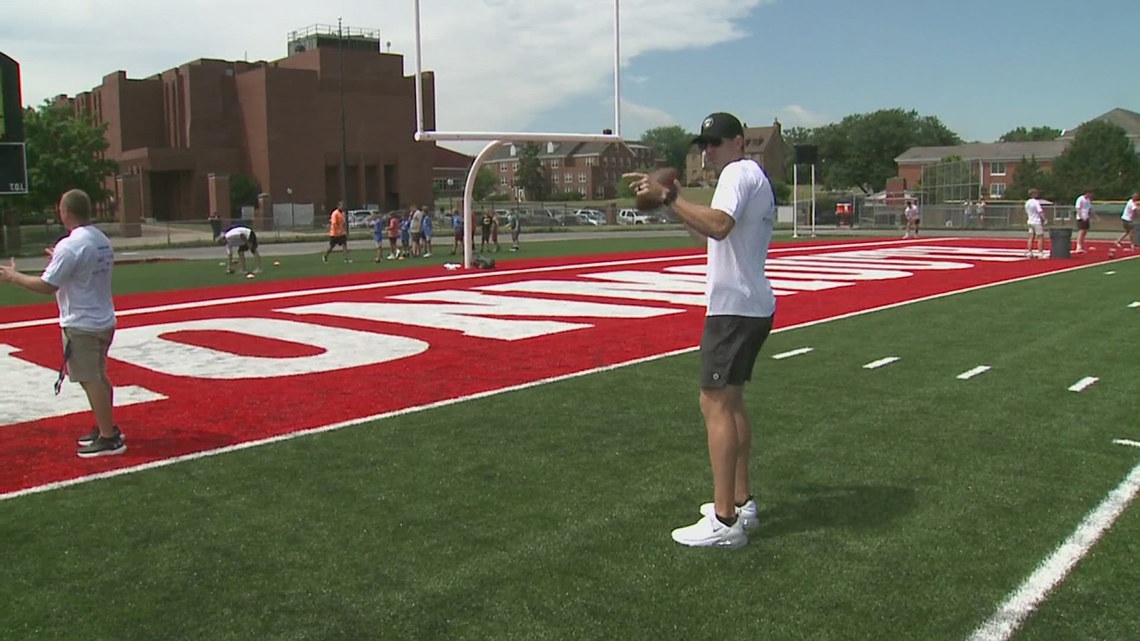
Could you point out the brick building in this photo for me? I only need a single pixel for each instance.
(187, 132)
(593, 169)
(765, 145)
(996, 163)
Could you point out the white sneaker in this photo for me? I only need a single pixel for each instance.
(749, 515)
(709, 532)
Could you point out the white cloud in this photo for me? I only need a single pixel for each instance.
(498, 63)
(637, 118)
(797, 116)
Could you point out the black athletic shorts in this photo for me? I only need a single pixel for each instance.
(1082, 224)
(338, 240)
(729, 347)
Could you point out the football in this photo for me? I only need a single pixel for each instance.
(666, 177)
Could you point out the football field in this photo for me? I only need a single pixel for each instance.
(947, 447)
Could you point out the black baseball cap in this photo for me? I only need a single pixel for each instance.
(719, 126)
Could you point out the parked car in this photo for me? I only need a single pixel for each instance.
(358, 217)
(591, 216)
(633, 217)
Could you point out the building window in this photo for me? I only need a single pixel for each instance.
(556, 178)
(515, 167)
(502, 167)
(582, 177)
(503, 181)
(998, 169)
(569, 178)
(554, 164)
(997, 190)
(600, 192)
(591, 161)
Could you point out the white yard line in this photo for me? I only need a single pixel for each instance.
(1109, 273)
(968, 374)
(882, 362)
(1024, 600)
(794, 352)
(1124, 441)
(1083, 384)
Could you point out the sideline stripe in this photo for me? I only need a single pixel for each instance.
(1109, 273)
(198, 304)
(1083, 384)
(1134, 305)
(882, 362)
(1022, 602)
(794, 352)
(1124, 441)
(968, 374)
(409, 410)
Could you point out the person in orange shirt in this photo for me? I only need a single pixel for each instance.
(338, 232)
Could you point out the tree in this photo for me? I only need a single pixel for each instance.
(623, 188)
(1021, 134)
(861, 149)
(485, 183)
(1100, 158)
(1030, 175)
(530, 176)
(64, 151)
(671, 143)
(243, 193)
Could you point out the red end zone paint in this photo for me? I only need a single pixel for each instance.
(311, 356)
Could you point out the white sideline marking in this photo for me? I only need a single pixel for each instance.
(1134, 305)
(48, 487)
(1083, 384)
(794, 352)
(881, 362)
(199, 304)
(1022, 602)
(1124, 441)
(1110, 273)
(968, 374)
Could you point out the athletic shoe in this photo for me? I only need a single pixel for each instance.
(347, 260)
(103, 446)
(709, 532)
(89, 438)
(427, 255)
(324, 258)
(748, 514)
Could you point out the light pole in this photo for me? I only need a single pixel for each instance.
(343, 134)
(292, 213)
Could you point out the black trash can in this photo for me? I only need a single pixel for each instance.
(1060, 242)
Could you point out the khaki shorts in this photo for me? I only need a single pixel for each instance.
(1037, 228)
(88, 358)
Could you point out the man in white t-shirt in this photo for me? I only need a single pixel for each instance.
(1035, 217)
(1128, 221)
(240, 239)
(737, 229)
(79, 274)
(1085, 215)
(913, 219)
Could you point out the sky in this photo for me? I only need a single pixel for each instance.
(983, 67)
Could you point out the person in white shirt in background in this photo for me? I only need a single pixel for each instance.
(79, 275)
(240, 239)
(1035, 218)
(1128, 220)
(980, 212)
(913, 219)
(1084, 218)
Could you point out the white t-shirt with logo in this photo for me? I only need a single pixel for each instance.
(1034, 212)
(1084, 207)
(237, 237)
(80, 270)
(1129, 211)
(737, 285)
(911, 212)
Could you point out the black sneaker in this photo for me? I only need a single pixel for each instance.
(103, 446)
(89, 438)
